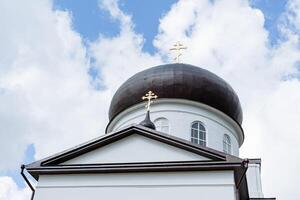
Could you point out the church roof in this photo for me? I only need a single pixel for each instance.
(54, 164)
(181, 81)
(216, 160)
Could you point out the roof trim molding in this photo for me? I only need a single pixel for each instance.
(135, 167)
(134, 129)
(220, 160)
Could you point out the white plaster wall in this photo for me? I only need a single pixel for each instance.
(135, 148)
(181, 113)
(254, 181)
(213, 185)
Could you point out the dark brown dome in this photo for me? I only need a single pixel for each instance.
(180, 81)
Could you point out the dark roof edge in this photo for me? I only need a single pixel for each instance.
(254, 161)
(237, 167)
(109, 138)
(136, 167)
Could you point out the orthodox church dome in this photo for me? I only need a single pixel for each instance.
(178, 81)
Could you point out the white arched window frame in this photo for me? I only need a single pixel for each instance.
(226, 144)
(162, 124)
(198, 133)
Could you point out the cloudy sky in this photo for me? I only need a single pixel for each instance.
(62, 60)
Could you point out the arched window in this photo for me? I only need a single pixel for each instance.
(198, 133)
(162, 125)
(226, 144)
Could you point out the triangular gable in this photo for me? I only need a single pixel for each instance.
(76, 160)
(135, 149)
(191, 150)
(186, 157)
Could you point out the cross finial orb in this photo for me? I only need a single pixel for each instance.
(149, 96)
(177, 47)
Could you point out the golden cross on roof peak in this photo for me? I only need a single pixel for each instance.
(177, 47)
(149, 96)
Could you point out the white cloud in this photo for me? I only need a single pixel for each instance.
(292, 14)
(229, 38)
(45, 90)
(119, 57)
(9, 190)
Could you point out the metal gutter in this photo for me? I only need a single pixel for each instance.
(27, 181)
(245, 165)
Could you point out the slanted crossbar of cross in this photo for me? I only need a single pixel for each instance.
(177, 47)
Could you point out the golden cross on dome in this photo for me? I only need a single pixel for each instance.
(149, 96)
(177, 47)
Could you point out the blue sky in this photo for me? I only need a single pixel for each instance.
(28, 159)
(90, 21)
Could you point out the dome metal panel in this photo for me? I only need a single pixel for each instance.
(180, 81)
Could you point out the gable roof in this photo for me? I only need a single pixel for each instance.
(217, 160)
(53, 163)
(135, 149)
(134, 129)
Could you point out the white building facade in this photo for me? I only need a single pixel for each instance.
(190, 148)
(179, 115)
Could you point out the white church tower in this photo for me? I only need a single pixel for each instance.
(185, 147)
